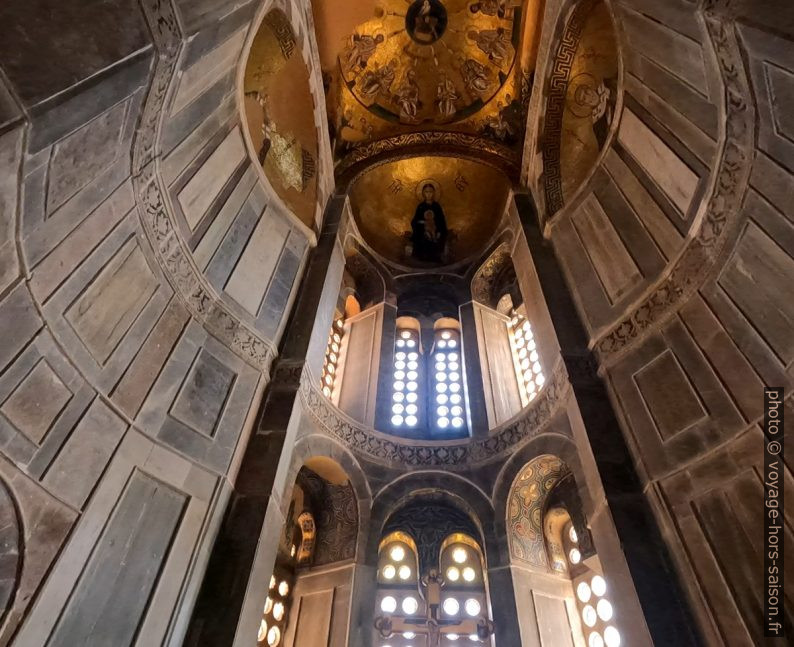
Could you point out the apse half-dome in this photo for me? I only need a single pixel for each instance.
(279, 114)
(387, 202)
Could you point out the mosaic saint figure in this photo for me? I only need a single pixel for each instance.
(426, 24)
(475, 76)
(494, 42)
(360, 50)
(447, 95)
(408, 97)
(429, 227)
(489, 7)
(378, 81)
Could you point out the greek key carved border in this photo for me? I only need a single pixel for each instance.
(720, 226)
(393, 451)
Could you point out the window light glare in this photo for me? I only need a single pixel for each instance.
(411, 421)
(412, 386)
(459, 555)
(405, 334)
(412, 366)
(599, 585)
(442, 411)
(410, 605)
(453, 574)
(443, 423)
(472, 607)
(452, 357)
(589, 616)
(595, 640)
(469, 574)
(572, 535)
(397, 408)
(604, 609)
(409, 635)
(398, 397)
(442, 343)
(411, 397)
(455, 398)
(400, 355)
(262, 633)
(411, 409)
(389, 572)
(452, 637)
(413, 356)
(273, 636)
(446, 334)
(397, 553)
(574, 556)
(399, 385)
(388, 604)
(451, 606)
(278, 611)
(442, 398)
(396, 420)
(612, 637)
(405, 572)
(457, 422)
(283, 588)
(583, 592)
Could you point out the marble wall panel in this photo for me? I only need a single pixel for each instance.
(200, 400)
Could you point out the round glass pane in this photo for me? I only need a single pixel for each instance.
(412, 356)
(452, 357)
(410, 605)
(283, 588)
(446, 334)
(389, 572)
(405, 334)
(442, 343)
(453, 574)
(278, 611)
(412, 366)
(441, 376)
(595, 640)
(400, 355)
(604, 608)
(574, 556)
(412, 397)
(472, 607)
(457, 422)
(397, 408)
(412, 375)
(399, 375)
(399, 386)
(612, 637)
(455, 398)
(398, 397)
(572, 534)
(441, 388)
(388, 604)
(589, 616)
(451, 606)
(452, 343)
(396, 420)
(412, 386)
(583, 592)
(262, 633)
(411, 409)
(411, 421)
(469, 574)
(400, 343)
(454, 388)
(459, 555)
(273, 636)
(405, 572)
(410, 343)
(442, 411)
(443, 423)
(397, 553)
(400, 365)
(599, 585)
(539, 380)
(268, 604)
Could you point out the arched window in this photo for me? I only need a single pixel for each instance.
(526, 359)
(333, 354)
(592, 595)
(447, 400)
(448, 595)
(406, 407)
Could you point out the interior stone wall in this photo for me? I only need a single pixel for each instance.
(680, 255)
(146, 270)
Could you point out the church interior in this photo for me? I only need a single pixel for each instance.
(395, 323)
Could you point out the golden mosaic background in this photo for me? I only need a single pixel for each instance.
(472, 195)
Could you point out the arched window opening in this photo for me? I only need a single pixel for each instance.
(319, 538)
(406, 407)
(431, 583)
(448, 400)
(333, 355)
(526, 360)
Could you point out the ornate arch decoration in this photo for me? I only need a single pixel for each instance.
(429, 522)
(526, 505)
(555, 521)
(308, 530)
(10, 550)
(370, 286)
(494, 276)
(407, 145)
